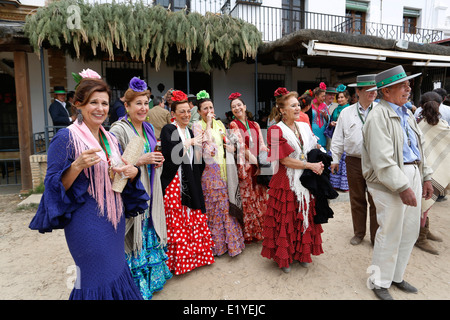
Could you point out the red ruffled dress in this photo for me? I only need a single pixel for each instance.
(189, 239)
(284, 237)
(253, 195)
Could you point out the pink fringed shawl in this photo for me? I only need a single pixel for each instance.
(100, 185)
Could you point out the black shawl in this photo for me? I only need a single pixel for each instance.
(192, 193)
(320, 186)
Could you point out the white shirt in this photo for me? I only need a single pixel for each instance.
(348, 132)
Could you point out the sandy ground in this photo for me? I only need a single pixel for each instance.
(39, 267)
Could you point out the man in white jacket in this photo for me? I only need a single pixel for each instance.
(348, 138)
(397, 175)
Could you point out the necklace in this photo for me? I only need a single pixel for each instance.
(107, 149)
(147, 143)
(299, 137)
(248, 130)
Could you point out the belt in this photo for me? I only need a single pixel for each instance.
(416, 162)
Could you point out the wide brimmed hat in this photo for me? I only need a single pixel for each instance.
(391, 76)
(367, 80)
(330, 90)
(59, 90)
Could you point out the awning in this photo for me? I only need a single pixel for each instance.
(316, 48)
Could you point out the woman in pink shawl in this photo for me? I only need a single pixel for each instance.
(78, 197)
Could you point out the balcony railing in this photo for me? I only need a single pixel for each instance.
(275, 23)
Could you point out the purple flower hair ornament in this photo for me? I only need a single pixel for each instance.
(138, 85)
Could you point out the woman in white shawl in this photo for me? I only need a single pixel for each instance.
(289, 230)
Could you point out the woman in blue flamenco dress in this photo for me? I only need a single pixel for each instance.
(78, 197)
(146, 235)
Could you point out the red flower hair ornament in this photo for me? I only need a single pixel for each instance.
(280, 92)
(179, 95)
(323, 86)
(234, 95)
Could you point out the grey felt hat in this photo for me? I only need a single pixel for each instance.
(391, 76)
(367, 80)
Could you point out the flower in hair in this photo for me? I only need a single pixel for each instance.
(86, 73)
(202, 95)
(309, 92)
(280, 92)
(234, 95)
(323, 86)
(138, 85)
(178, 95)
(341, 88)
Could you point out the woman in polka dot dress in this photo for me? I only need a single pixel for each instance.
(189, 238)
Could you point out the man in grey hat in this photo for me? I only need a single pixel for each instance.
(348, 138)
(397, 176)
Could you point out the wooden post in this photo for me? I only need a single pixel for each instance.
(23, 99)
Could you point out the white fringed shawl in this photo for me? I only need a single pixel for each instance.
(309, 143)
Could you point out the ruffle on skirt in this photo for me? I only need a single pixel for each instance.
(148, 267)
(122, 288)
(225, 229)
(189, 238)
(254, 199)
(339, 179)
(285, 239)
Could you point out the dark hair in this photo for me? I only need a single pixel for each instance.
(199, 102)
(70, 94)
(157, 100)
(87, 87)
(442, 92)
(430, 102)
(345, 93)
(173, 106)
(240, 99)
(305, 100)
(318, 91)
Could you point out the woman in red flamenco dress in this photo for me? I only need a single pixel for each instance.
(189, 238)
(289, 229)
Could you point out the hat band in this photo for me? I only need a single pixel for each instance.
(366, 83)
(391, 79)
(59, 91)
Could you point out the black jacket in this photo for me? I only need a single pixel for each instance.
(320, 186)
(172, 150)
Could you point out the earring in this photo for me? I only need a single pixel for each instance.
(147, 118)
(79, 116)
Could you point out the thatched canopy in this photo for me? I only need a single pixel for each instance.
(289, 48)
(145, 33)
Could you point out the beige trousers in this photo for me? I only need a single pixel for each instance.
(398, 230)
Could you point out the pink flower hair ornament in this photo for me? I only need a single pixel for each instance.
(323, 86)
(86, 73)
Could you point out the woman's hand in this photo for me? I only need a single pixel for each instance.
(155, 158)
(316, 167)
(128, 171)
(87, 159)
(333, 124)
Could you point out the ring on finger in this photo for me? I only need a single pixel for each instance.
(92, 159)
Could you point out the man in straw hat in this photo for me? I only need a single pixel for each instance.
(397, 176)
(348, 138)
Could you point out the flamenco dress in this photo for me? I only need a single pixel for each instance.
(96, 246)
(339, 179)
(148, 264)
(189, 241)
(285, 239)
(253, 195)
(225, 230)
